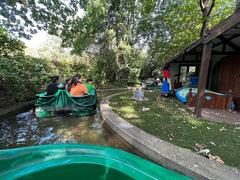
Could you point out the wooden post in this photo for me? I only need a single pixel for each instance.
(206, 57)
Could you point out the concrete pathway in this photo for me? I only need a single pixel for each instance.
(218, 115)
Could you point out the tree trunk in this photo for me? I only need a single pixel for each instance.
(204, 23)
(117, 65)
(114, 21)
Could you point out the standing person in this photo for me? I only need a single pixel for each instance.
(166, 75)
(52, 88)
(165, 87)
(78, 88)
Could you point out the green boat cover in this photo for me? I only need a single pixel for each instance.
(153, 86)
(63, 102)
(75, 161)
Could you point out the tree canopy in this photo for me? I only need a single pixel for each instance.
(122, 36)
(10, 46)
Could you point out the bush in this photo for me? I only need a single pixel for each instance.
(22, 77)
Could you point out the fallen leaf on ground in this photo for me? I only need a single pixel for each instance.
(212, 143)
(204, 152)
(130, 116)
(200, 146)
(222, 129)
(216, 158)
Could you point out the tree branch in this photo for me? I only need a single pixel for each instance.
(212, 5)
(201, 5)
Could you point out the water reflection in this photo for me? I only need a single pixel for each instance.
(26, 130)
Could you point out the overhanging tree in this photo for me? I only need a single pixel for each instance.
(10, 46)
(25, 17)
(206, 8)
(115, 31)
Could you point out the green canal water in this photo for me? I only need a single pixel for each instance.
(24, 129)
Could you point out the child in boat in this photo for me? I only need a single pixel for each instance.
(89, 85)
(53, 86)
(78, 88)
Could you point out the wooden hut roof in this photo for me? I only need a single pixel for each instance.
(225, 37)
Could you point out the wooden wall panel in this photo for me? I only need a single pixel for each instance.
(229, 77)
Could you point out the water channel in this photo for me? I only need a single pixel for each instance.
(24, 129)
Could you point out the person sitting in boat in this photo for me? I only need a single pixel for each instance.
(89, 85)
(78, 88)
(53, 86)
(68, 84)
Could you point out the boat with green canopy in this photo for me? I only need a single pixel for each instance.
(153, 86)
(63, 103)
(75, 161)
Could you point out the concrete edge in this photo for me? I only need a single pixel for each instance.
(163, 152)
(16, 107)
(113, 89)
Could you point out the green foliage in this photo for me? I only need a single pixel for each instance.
(115, 32)
(25, 17)
(21, 77)
(110, 27)
(10, 46)
(178, 24)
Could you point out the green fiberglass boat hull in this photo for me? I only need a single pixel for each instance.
(74, 161)
(63, 102)
(153, 86)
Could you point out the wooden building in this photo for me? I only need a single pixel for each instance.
(215, 59)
